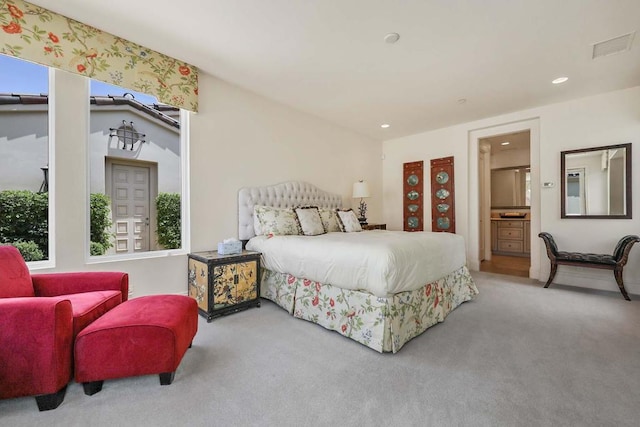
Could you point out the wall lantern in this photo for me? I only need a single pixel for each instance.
(44, 187)
(127, 135)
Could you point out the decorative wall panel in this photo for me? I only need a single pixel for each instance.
(413, 195)
(443, 216)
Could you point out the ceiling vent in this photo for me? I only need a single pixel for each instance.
(615, 45)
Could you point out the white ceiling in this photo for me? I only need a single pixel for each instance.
(328, 57)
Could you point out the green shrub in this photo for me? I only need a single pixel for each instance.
(96, 249)
(29, 250)
(24, 217)
(169, 224)
(100, 217)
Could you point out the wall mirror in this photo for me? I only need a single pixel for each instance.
(511, 187)
(596, 182)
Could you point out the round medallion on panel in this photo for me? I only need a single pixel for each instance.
(413, 180)
(442, 207)
(413, 222)
(413, 195)
(443, 223)
(442, 194)
(412, 208)
(442, 177)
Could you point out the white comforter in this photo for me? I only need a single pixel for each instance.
(380, 262)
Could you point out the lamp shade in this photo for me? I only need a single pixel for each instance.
(360, 190)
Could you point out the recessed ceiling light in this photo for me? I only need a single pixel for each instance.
(392, 38)
(385, 125)
(505, 143)
(559, 80)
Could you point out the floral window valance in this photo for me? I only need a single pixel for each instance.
(39, 35)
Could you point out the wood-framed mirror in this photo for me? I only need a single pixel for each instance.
(596, 182)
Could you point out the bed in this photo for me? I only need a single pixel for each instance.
(380, 288)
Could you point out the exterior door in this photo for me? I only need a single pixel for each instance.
(131, 206)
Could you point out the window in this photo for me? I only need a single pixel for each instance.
(135, 163)
(24, 157)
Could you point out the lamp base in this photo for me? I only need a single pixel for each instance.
(363, 221)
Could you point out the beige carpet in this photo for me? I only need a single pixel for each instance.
(518, 355)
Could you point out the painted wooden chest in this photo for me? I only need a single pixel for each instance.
(224, 284)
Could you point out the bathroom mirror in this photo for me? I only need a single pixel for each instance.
(511, 187)
(596, 182)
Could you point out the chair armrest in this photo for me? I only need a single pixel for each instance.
(622, 249)
(36, 342)
(552, 248)
(59, 284)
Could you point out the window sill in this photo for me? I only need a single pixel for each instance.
(136, 256)
(41, 265)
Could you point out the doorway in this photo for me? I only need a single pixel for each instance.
(504, 168)
(132, 187)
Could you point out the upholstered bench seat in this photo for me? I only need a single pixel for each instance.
(615, 262)
(586, 258)
(143, 336)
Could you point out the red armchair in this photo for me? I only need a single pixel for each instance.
(40, 315)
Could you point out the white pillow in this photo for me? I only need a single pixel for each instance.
(310, 221)
(329, 220)
(276, 221)
(348, 221)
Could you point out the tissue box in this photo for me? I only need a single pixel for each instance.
(230, 248)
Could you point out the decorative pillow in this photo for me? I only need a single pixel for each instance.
(348, 221)
(309, 220)
(329, 220)
(276, 221)
(257, 228)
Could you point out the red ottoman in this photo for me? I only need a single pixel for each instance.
(142, 336)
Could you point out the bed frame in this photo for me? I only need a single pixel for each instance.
(383, 324)
(286, 195)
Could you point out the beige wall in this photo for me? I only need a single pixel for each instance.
(508, 158)
(610, 118)
(240, 139)
(237, 139)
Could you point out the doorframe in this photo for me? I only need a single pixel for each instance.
(485, 193)
(475, 135)
(109, 161)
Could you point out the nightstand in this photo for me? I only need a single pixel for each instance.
(224, 284)
(374, 227)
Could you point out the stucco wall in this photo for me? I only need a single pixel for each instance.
(24, 148)
(162, 146)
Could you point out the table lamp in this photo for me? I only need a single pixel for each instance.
(361, 191)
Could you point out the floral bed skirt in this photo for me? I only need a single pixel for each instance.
(383, 324)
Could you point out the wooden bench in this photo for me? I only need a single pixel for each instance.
(615, 262)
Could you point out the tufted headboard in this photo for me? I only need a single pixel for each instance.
(286, 195)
